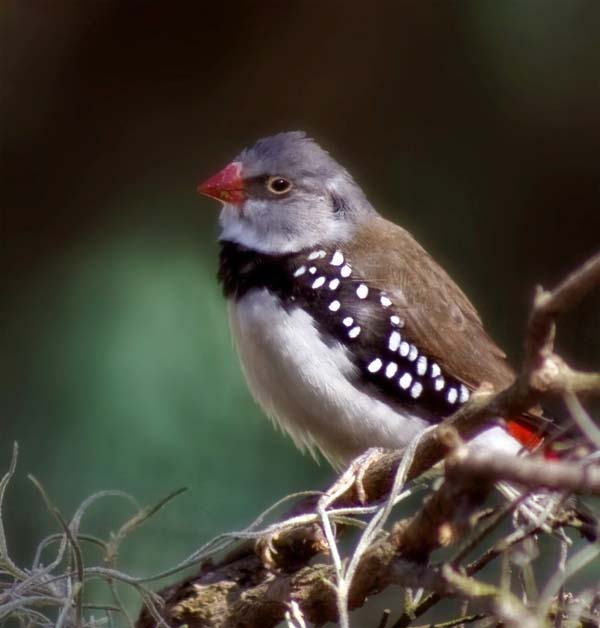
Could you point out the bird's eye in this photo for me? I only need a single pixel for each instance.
(278, 185)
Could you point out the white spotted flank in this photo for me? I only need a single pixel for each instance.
(464, 394)
(353, 333)
(317, 283)
(422, 365)
(337, 259)
(390, 369)
(394, 341)
(334, 283)
(405, 381)
(348, 321)
(452, 395)
(439, 383)
(362, 292)
(384, 301)
(375, 365)
(334, 306)
(300, 271)
(345, 271)
(416, 390)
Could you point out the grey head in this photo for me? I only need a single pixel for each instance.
(285, 193)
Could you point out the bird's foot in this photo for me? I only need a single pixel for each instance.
(285, 548)
(291, 548)
(266, 551)
(353, 477)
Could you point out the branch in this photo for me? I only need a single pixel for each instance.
(549, 305)
(245, 593)
(531, 472)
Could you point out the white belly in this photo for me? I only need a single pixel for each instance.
(305, 385)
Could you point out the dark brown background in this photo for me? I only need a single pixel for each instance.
(474, 124)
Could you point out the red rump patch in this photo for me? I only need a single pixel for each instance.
(525, 435)
(528, 437)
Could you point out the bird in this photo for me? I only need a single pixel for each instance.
(350, 335)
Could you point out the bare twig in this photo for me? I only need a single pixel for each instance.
(548, 306)
(532, 472)
(582, 419)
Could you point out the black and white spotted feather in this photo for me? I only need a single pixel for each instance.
(347, 310)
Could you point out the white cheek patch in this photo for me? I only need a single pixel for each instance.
(255, 225)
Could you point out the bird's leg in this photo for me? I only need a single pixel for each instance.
(280, 548)
(288, 547)
(353, 476)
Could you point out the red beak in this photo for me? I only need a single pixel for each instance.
(226, 186)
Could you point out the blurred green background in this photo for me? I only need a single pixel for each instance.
(474, 124)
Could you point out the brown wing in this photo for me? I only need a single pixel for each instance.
(439, 317)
